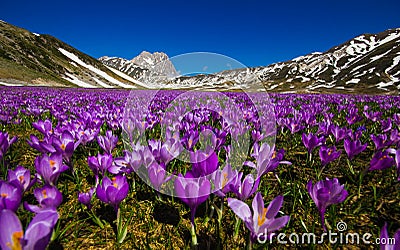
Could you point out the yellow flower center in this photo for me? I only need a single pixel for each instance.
(114, 183)
(16, 241)
(52, 163)
(44, 192)
(224, 180)
(21, 178)
(262, 217)
(4, 195)
(63, 146)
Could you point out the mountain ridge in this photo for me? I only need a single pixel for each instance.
(42, 60)
(368, 63)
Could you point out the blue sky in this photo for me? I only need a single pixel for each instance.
(253, 32)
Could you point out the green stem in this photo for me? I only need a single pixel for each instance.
(350, 167)
(249, 244)
(3, 167)
(194, 236)
(96, 219)
(237, 225)
(359, 184)
(361, 179)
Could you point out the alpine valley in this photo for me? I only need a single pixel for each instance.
(369, 63)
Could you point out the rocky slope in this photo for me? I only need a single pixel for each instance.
(369, 63)
(366, 64)
(41, 60)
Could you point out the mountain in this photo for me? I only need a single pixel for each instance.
(42, 60)
(143, 65)
(368, 63)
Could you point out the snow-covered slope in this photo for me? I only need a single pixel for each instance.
(366, 64)
(142, 65)
(41, 60)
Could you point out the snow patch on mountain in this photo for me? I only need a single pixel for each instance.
(93, 69)
(73, 79)
(104, 85)
(10, 84)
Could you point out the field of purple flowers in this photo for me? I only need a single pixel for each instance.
(92, 169)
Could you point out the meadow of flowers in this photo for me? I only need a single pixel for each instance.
(105, 169)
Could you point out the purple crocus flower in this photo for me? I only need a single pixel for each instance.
(395, 137)
(222, 180)
(155, 149)
(44, 146)
(192, 191)
(380, 141)
(203, 163)
(355, 135)
(190, 139)
(86, 198)
(328, 154)
(373, 115)
(381, 160)
(130, 162)
(5, 143)
(44, 127)
(396, 119)
(48, 197)
(353, 148)
(276, 159)
(107, 142)
(113, 191)
(37, 234)
(386, 125)
(10, 196)
(65, 145)
(169, 150)
(325, 193)
(50, 167)
(262, 155)
(396, 159)
(387, 244)
(295, 126)
(311, 141)
(324, 128)
(338, 132)
(20, 177)
(100, 164)
(157, 174)
(261, 221)
(353, 118)
(243, 190)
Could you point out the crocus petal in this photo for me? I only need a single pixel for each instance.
(278, 223)
(258, 206)
(101, 193)
(39, 230)
(10, 230)
(384, 235)
(274, 206)
(323, 194)
(32, 208)
(240, 208)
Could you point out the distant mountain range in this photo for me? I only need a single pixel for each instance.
(368, 63)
